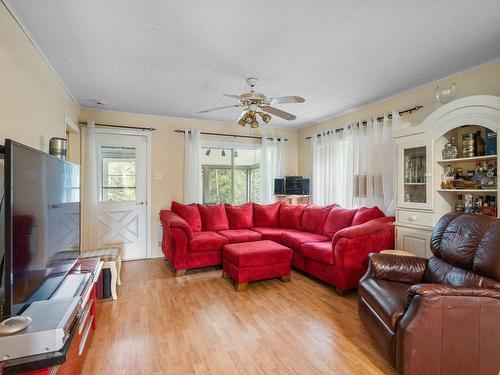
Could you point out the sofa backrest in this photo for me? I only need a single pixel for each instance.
(466, 251)
(326, 220)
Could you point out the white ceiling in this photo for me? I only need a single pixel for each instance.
(176, 57)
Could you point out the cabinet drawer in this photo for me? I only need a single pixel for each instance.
(415, 218)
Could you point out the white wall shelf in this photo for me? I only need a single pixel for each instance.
(461, 160)
(468, 190)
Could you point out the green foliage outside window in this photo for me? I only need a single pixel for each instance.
(227, 179)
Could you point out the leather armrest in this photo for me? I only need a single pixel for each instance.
(430, 290)
(404, 269)
(172, 220)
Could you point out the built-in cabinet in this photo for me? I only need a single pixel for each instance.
(415, 171)
(421, 197)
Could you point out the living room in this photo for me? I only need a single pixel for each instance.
(289, 187)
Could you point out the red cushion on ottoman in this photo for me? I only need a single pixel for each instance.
(240, 235)
(260, 253)
(252, 261)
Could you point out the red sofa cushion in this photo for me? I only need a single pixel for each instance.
(291, 216)
(213, 218)
(319, 251)
(240, 217)
(314, 217)
(273, 234)
(365, 214)
(207, 241)
(294, 240)
(254, 254)
(190, 213)
(240, 235)
(338, 218)
(266, 215)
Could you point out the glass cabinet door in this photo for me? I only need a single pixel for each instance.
(414, 177)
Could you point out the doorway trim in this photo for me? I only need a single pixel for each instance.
(148, 177)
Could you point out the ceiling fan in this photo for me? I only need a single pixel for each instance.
(256, 103)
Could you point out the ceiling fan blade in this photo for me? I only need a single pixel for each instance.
(232, 96)
(278, 112)
(287, 99)
(217, 108)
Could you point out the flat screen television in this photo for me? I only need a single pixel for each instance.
(41, 208)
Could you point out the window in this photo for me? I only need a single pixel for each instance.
(117, 174)
(230, 175)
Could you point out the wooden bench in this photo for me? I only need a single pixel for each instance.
(111, 259)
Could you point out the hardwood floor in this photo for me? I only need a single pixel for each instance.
(198, 324)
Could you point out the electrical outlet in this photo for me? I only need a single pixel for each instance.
(158, 176)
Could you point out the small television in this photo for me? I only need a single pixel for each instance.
(41, 226)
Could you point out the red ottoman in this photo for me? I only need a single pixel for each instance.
(252, 261)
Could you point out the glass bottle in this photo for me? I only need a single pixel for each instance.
(480, 145)
(459, 206)
(469, 203)
(450, 150)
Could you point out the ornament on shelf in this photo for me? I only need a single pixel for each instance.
(450, 150)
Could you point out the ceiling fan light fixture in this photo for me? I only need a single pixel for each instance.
(249, 118)
(254, 124)
(265, 117)
(242, 122)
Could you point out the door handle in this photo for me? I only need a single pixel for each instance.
(140, 203)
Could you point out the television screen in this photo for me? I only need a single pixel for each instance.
(42, 224)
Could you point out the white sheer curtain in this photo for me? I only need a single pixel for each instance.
(193, 184)
(354, 167)
(271, 167)
(89, 187)
(331, 167)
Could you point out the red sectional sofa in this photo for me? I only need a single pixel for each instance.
(331, 243)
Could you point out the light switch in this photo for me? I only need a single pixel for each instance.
(158, 176)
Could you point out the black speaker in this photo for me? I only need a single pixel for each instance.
(279, 186)
(305, 186)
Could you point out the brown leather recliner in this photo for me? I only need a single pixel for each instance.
(439, 315)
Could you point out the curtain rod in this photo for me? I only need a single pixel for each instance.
(85, 123)
(363, 123)
(233, 135)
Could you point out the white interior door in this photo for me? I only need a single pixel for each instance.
(122, 193)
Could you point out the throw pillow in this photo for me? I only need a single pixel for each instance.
(213, 218)
(239, 217)
(266, 215)
(188, 212)
(314, 217)
(291, 216)
(338, 218)
(366, 214)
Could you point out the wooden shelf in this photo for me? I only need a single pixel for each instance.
(469, 190)
(475, 158)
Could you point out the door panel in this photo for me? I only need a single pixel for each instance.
(414, 240)
(122, 199)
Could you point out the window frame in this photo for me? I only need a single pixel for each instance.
(231, 147)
